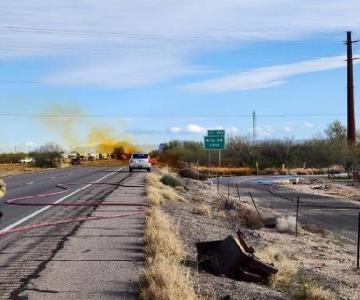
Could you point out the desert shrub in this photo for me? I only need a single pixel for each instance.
(228, 204)
(290, 279)
(159, 193)
(47, 156)
(202, 210)
(7, 158)
(191, 173)
(242, 214)
(286, 224)
(270, 221)
(171, 181)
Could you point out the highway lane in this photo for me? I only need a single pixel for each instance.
(23, 255)
(42, 183)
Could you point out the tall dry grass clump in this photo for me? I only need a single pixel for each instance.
(291, 280)
(202, 210)
(161, 238)
(241, 213)
(164, 278)
(159, 193)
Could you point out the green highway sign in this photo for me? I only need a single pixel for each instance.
(217, 132)
(214, 142)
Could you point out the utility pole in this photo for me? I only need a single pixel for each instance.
(351, 131)
(254, 126)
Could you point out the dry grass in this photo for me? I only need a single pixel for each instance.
(165, 281)
(164, 278)
(14, 169)
(158, 193)
(241, 213)
(244, 171)
(314, 229)
(286, 224)
(202, 210)
(161, 238)
(290, 279)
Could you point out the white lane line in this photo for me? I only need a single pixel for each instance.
(31, 182)
(35, 213)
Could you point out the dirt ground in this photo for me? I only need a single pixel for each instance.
(325, 187)
(14, 169)
(326, 259)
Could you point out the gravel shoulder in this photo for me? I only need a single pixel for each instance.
(326, 258)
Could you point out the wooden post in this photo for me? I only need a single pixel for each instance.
(297, 216)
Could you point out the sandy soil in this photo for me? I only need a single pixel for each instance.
(14, 169)
(328, 259)
(324, 187)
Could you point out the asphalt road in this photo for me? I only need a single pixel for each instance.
(42, 183)
(343, 221)
(24, 255)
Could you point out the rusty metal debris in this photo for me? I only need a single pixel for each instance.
(233, 258)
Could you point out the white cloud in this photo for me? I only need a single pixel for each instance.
(175, 130)
(194, 128)
(121, 44)
(287, 130)
(232, 130)
(188, 129)
(29, 144)
(265, 77)
(309, 125)
(264, 131)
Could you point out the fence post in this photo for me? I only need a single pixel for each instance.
(253, 201)
(358, 243)
(228, 188)
(218, 184)
(238, 191)
(297, 216)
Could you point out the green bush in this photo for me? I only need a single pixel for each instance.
(171, 181)
(6, 158)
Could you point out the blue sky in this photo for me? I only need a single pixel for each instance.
(161, 70)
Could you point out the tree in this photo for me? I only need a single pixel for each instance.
(340, 152)
(47, 156)
(336, 132)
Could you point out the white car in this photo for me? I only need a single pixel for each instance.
(27, 160)
(139, 161)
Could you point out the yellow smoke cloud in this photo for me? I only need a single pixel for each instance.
(65, 126)
(78, 132)
(105, 139)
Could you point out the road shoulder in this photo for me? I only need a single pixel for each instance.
(102, 260)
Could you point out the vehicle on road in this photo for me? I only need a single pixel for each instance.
(27, 160)
(139, 161)
(76, 161)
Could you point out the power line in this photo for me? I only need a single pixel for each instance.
(167, 116)
(176, 36)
